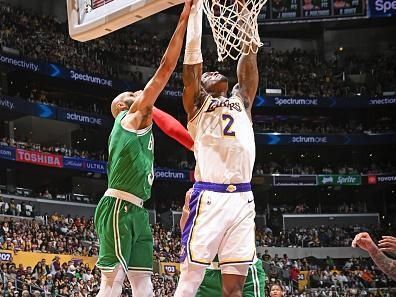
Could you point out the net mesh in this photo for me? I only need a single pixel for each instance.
(234, 26)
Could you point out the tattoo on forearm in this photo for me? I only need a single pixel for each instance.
(387, 265)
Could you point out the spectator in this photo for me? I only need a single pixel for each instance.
(12, 208)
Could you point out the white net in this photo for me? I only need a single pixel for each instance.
(234, 26)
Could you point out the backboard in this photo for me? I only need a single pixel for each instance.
(90, 19)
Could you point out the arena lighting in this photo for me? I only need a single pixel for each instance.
(391, 93)
(273, 91)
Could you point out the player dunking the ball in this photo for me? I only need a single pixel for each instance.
(121, 222)
(221, 208)
(211, 285)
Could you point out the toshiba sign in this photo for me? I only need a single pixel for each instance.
(39, 158)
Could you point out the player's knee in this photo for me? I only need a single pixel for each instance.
(141, 283)
(111, 283)
(233, 285)
(233, 289)
(190, 279)
(233, 278)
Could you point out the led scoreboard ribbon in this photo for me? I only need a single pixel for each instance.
(300, 10)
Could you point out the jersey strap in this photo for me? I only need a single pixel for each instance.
(222, 188)
(198, 112)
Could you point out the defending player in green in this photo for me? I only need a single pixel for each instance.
(126, 243)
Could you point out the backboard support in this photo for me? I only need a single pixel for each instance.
(88, 21)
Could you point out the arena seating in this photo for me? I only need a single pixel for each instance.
(74, 235)
(296, 72)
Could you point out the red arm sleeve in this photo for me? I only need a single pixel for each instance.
(172, 127)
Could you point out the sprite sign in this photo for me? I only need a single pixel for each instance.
(339, 180)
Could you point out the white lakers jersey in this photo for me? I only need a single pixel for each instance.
(224, 144)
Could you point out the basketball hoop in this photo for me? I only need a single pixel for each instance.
(234, 26)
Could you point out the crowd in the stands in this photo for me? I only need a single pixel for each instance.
(319, 166)
(313, 236)
(59, 234)
(76, 235)
(73, 278)
(295, 72)
(336, 278)
(328, 277)
(310, 126)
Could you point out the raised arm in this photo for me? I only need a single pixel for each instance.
(144, 103)
(192, 65)
(173, 128)
(247, 72)
(248, 77)
(387, 265)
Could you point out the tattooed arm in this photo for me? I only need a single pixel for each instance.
(387, 265)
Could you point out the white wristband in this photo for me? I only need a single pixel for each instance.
(193, 54)
(192, 58)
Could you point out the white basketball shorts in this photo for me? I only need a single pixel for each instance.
(220, 222)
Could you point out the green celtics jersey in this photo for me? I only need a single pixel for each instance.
(131, 158)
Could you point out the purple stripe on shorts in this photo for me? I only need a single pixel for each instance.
(193, 206)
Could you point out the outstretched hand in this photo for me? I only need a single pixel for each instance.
(364, 241)
(387, 244)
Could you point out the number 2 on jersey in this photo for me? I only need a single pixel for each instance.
(228, 120)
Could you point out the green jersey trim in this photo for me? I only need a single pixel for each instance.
(117, 241)
(256, 281)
